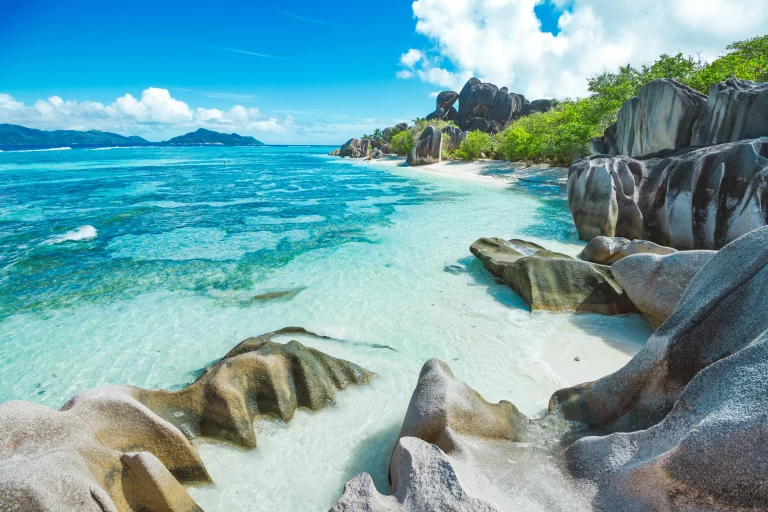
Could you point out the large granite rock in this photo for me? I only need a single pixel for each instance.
(122, 448)
(445, 100)
(660, 117)
(535, 106)
(681, 427)
(356, 148)
(655, 283)
(474, 124)
(551, 281)
(437, 114)
(457, 452)
(428, 149)
(401, 126)
(607, 251)
(506, 106)
(735, 110)
(476, 99)
(687, 414)
(696, 198)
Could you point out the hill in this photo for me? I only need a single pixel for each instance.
(203, 136)
(14, 135)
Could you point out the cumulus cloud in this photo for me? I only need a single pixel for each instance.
(155, 109)
(502, 40)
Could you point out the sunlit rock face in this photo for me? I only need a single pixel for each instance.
(124, 448)
(689, 199)
(736, 110)
(680, 427)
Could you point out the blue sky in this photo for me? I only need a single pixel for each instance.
(318, 72)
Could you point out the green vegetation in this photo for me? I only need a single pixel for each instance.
(402, 143)
(474, 146)
(562, 135)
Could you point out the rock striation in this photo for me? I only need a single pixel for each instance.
(356, 148)
(550, 281)
(122, 448)
(428, 149)
(669, 115)
(736, 110)
(696, 198)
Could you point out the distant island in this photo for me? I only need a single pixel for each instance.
(203, 136)
(14, 135)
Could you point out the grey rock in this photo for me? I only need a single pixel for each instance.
(506, 106)
(696, 198)
(606, 250)
(476, 99)
(384, 149)
(735, 110)
(437, 114)
(687, 414)
(451, 114)
(660, 117)
(428, 149)
(386, 133)
(476, 123)
(445, 100)
(356, 148)
(335, 152)
(541, 106)
(655, 283)
(401, 126)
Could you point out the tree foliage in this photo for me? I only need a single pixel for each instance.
(402, 143)
(476, 145)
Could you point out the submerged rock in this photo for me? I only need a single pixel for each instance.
(655, 283)
(125, 448)
(428, 149)
(607, 251)
(689, 199)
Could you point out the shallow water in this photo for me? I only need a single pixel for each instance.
(141, 266)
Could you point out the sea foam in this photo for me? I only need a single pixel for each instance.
(81, 234)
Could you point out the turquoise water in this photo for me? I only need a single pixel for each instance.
(141, 266)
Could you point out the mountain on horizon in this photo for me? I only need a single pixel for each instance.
(15, 135)
(203, 136)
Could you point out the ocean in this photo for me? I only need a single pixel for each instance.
(142, 265)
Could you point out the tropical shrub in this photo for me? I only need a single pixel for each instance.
(476, 144)
(402, 143)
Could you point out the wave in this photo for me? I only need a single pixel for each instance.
(81, 234)
(115, 147)
(46, 149)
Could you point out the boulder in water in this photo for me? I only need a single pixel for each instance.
(356, 148)
(125, 448)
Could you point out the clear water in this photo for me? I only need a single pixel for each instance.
(141, 266)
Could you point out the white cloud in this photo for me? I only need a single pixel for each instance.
(502, 41)
(155, 110)
(405, 74)
(411, 57)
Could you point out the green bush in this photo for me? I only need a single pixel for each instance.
(402, 143)
(476, 144)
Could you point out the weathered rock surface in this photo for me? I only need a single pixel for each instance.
(476, 123)
(688, 199)
(401, 126)
(551, 281)
(534, 106)
(607, 251)
(655, 283)
(123, 448)
(356, 148)
(506, 106)
(446, 99)
(687, 414)
(428, 149)
(660, 117)
(735, 110)
(437, 114)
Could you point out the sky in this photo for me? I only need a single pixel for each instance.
(322, 72)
